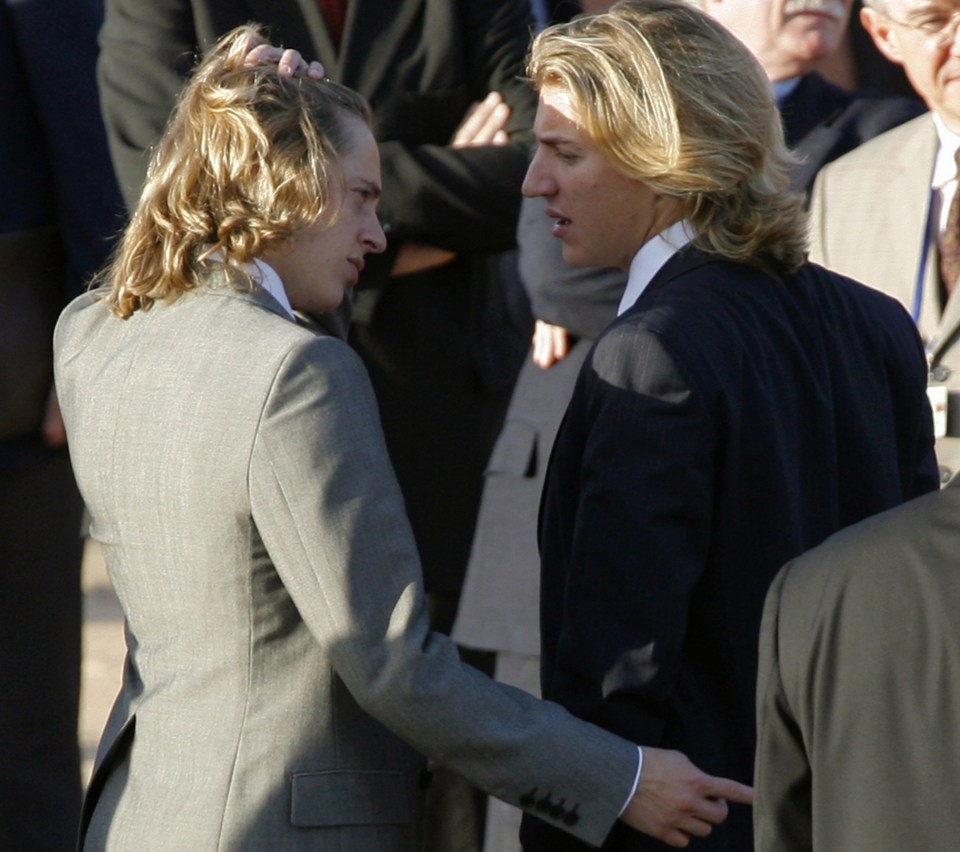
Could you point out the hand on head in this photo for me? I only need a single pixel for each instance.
(289, 62)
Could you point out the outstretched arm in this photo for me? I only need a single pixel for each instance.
(675, 801)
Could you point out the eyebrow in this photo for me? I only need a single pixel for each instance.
(369, 186)
(553, 140)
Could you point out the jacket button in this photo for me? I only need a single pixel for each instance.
(572, 817)
(940, 373)
(945, 474)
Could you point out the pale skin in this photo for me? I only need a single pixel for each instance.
(788, 37)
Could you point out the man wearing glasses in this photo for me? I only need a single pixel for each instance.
(889, 212)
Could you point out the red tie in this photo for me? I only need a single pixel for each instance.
(335, 12)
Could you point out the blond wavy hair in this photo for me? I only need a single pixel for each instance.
(248, 160)
(671, 98)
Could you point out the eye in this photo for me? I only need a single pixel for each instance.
(932, 22)
(365, 196)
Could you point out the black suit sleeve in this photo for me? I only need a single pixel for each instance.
(467, 199)
(638, 535)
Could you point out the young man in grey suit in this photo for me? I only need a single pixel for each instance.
(881, 213)
(858, 698)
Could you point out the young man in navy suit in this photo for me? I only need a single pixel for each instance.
(743, 407)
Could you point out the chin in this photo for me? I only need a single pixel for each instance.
(576, 259)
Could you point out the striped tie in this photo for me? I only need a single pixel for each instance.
(950, 242)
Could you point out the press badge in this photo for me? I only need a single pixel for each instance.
(938, 403)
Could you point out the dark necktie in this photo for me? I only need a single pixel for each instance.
(335, 12)
(950, 243)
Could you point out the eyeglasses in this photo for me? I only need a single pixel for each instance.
(938, 26)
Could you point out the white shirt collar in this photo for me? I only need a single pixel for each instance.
(782, 89)
(653, 254)
(266, 277)
(945, 166)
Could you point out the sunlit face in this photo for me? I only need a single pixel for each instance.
(327, 258)
(921, 35)
(601, 215)
(788, 37)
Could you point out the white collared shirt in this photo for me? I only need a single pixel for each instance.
(266, 276)
(944, 179)
(653, 254)
(782, 89)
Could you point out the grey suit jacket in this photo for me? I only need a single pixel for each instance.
(869, 212)
(859, 689)
(278, 646)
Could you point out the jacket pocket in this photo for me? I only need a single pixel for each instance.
(350, 797)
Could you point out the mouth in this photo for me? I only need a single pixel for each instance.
(561, 224)
(357, 263)
(829, 8)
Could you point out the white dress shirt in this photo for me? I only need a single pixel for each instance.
(653, 254)
(266, 276)
(944, 179)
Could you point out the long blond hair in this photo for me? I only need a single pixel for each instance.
(673, 99)
(248, 160)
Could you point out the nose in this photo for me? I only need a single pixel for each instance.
(373, 236)
(537, 181)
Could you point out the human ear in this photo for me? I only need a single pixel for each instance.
(884, 36)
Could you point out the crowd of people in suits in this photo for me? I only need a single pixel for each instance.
(725, 406)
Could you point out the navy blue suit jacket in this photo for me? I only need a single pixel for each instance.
(723, 425)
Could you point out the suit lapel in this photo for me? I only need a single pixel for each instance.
(947, 328)
(813, 103)
(901, 199)
(373, 35)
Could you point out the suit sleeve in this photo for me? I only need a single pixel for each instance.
(331, 515)
(782, 816)
(146, 52)
(467, 199)
(615, 623)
